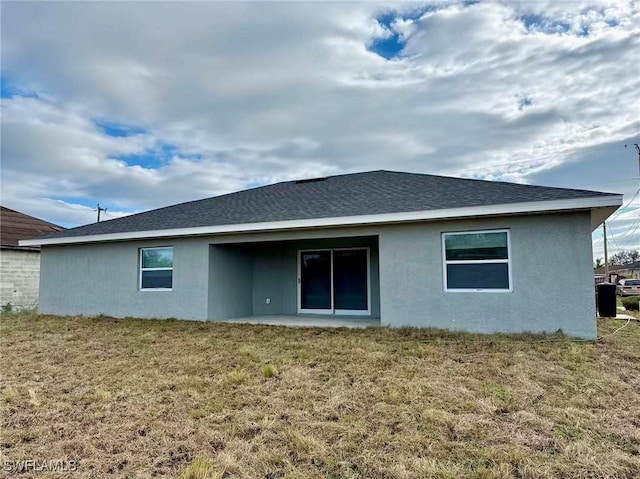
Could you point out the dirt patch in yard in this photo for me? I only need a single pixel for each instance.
(135, 398)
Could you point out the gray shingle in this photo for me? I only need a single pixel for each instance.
(374, 192)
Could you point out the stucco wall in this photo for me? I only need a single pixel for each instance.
(231, 283)
(96, 279)
(551, 269)
(19, 278)
(210, 281)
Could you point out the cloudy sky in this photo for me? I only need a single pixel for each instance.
(138, 105)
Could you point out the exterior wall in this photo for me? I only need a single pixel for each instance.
(20, 276)
(226, 276)
(275, 272)
(102, 278)
(627, 273)
(551, 269)
(230, 283)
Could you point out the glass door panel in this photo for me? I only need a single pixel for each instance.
(350, 288)
(315, 280)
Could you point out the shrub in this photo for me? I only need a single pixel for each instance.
(631, 303)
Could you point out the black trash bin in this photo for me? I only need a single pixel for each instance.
(606, 300)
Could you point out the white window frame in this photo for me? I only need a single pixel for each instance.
(141, 269)
(446, 262)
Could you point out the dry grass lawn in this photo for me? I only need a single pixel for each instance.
(135, 398)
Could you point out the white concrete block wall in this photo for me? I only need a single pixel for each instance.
(19, 278)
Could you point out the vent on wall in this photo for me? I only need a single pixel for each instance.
(311, 180)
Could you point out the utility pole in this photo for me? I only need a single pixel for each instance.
(100, 209)
(606, 253)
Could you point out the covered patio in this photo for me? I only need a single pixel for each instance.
(301, 282)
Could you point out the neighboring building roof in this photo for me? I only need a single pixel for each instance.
(16, 226)
(358, 198)
(618, 267)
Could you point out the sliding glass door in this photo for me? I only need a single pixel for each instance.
(350, 278)
(315, 281)
(334, 281)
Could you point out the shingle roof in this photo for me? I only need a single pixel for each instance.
(15, 226)
(617, 267)
(375, 192)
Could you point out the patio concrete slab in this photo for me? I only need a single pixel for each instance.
(307, 321)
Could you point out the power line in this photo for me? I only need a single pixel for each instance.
(634, 229)
(631, 228)
(637, 146)
(613, 237)
(621, 210)
(101, 214)
(81, 215)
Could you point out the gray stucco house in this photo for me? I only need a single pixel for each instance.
(400, 248)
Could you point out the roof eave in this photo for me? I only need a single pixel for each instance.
(20, 248)
(600, 206)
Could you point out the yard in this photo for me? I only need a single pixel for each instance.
(134, 398)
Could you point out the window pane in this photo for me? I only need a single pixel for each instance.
(157, 258)
(157, 279)
(476, 246)
(316, 280)
(350, 279)
(478, 276)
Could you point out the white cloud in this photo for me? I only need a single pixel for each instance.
(251, 93)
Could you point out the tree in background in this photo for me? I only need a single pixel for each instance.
(599, 263)
(623, 257)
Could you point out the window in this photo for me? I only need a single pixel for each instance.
(156, 268)
(477, 261)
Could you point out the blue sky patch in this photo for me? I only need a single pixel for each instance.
(119, 130)
(9, 90)
(538, 23)
(75, 200)
(524, 102)
(391, 46)
(159, 155)
(585, 30)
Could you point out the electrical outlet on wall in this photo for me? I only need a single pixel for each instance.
(268, 301)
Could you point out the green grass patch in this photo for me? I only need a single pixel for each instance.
(269, 371)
